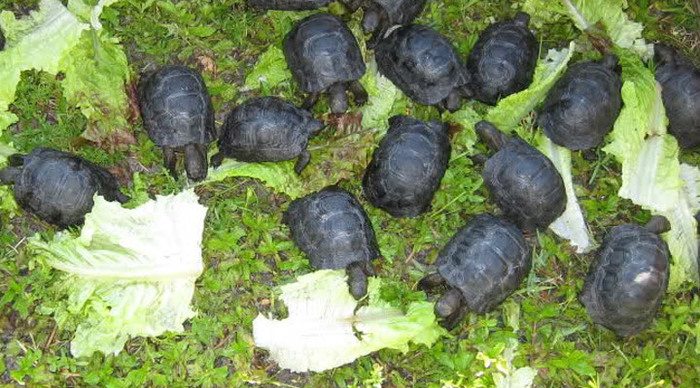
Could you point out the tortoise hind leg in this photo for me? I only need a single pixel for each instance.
(302, 162)
(196, 164)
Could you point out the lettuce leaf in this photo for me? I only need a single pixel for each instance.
(278, 176)
(571, 225)
(382, 97)
(40, 41)
(95, 66)
(319, 332)
(510, 110)
(131, 272)
(652, 176)
(270, 70)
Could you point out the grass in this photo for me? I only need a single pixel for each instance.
(248, 251)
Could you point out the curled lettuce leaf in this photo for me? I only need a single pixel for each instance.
(319, 332)
(278, 176)
(382, 97)
(131, 272)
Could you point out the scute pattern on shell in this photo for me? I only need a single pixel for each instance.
(486, 260)
(59, 187)
(680, 82)
(407, 167)
(267, 129)
(288, 5)
(401, 11)
(176, 108)
(582, 106)
(332, 228)
(626, 285)
(321, 51)
(422, 63)
(525, 185)
(503, 61)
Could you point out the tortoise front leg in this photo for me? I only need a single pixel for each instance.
(16, 160)
(217, 159)
(431, 281)
(310, 101)
(359, 92)
(170, 161)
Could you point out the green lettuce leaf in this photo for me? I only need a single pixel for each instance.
(510, 110)
(95, 66)
(571, 225)
(651, 172)
(467, 118)
(382, 97)
(270, 70)
(40, 41)
(278, 176)
(7, 200)
(131, 272)
(319, 333)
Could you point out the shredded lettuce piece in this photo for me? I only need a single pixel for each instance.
(270, 70)
(96, 72)
(652, 176)
(382, 97)
(278, 176)
(467, 118)
(571, 225)
(131, 272)
(319, 333)
(40, 41)
(510, 110)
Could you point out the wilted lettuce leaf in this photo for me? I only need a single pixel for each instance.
(510, 110)
(319, 332)
(587, 14)
(131, 272)
(270, 70)
(278, 176)
(651, 171)
(95, 66)
(382, 97)
(41, 41)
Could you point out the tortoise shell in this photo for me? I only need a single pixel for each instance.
(332, 228)
(583, 105)
(267, 129)
(322, 51)
(525, 185)
(626, 285)
(176, 108)
(288, 5)
(407, 167)
(486, 260)
(59, 187)
(503, 60)
(422, 63)
(680, 82)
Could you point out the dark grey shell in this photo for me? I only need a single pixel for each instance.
(288, 5)
(626, 285)
(332, 228)
(503, 60)
(422, 63)
(583, 105)
(525, 185)
(321, 51)
(407, 167)
(59, 187)
(399, 12)
(176, 108)
(486, 260)
(267, 129)
(680, 81)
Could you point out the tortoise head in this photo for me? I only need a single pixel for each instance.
(371, 19)
(196, 161)
(522, 19)
(664, 54)
(493, 137)
(10, 174)
(658, 225)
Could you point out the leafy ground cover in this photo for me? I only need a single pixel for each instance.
(247, 252)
